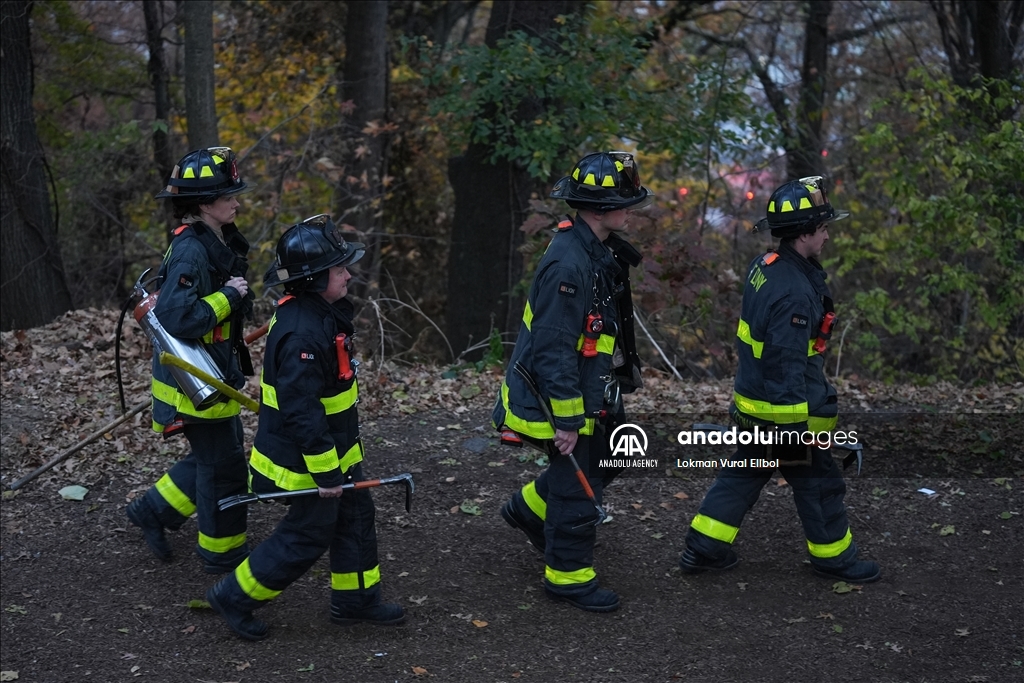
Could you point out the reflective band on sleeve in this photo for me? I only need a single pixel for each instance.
(712, 528)
(341, 402)
(174, 496)
(560, 578)
(250, 586)
(269, 394)
(350, 580)
(743, 332)
(221, 545)
(528, 316)
(534, 501)
(822, 424)
(538, 430)
(323, 462)
(567, 407)
(282, 477)
(770, 412)
(220, 305)
(826, 550)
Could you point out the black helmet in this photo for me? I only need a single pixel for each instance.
(603, 181)
(307, 249)
(204, 175)
(799, 207)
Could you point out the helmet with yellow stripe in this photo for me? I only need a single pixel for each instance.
(204, 175)
(799, 207)
(602, 182)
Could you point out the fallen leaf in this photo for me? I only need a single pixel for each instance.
(419, 601)
(16, 609)
(306, 668)
(837, 628)
(73, 492)
(479, 623)
(636, 506)
(189, 629)
(419, 670)
(824, 615)
(198, 604)
(470, 508)
(841, 587)
(963, 632)
(795, 621)
(742, 586)
(947, 530)
(781, 482)
(8, 675)
(681, 496)
(242, 666)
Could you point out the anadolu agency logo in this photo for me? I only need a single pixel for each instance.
(628, 444)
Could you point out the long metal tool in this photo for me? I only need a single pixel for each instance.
(531, 384)
(244, 498)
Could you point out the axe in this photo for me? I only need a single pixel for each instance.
(244, 498)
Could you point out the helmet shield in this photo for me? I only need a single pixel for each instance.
(205, 175)
(309, 248)
(604, 181)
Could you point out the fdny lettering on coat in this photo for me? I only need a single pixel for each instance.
(306, 355)
(567, 289)
(757, 278)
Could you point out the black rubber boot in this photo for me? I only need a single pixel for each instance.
(381, 614)
(585, 596)
(515, 520)
(141, 515)
(241, 621)
(861, 571)
(692, 563)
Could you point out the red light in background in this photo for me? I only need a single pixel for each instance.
(824, 152)
(750, 195)
(683, 191)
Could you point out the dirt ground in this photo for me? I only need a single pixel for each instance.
(83, 599)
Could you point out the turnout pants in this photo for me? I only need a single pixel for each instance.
(313, 525)
(556, 502)
(215, 468)
(818, 491)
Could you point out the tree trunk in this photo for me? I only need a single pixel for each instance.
(804, 154)
(366, 86)
(34, 288)
(200, 102)
(490, 204)
(163, 160)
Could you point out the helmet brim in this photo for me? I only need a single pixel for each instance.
(645, 199)
(205, 197)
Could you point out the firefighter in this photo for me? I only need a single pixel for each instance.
(780, 386)
(308, 437)
(576, 341)
(203, 295)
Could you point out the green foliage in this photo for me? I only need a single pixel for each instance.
(535, 100)
(943, 238)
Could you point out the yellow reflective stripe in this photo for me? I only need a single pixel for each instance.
(567, 407)
(323, 462)
(743, 332)
(225, 333)
(605, 344)
(174, 496)
(720, 531)
(351, 457)
(341, 402)
(826, 550)
(538, 430)
(282, 477)
(805, 203)
(822, 424)
(157, 427)
(528, 316)
(221, 545)
(171, 396)
(250, 586)
(534, 501)
(560, 578)
(779, 414)
(269, 394)
(350, 581)
(218, 301)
